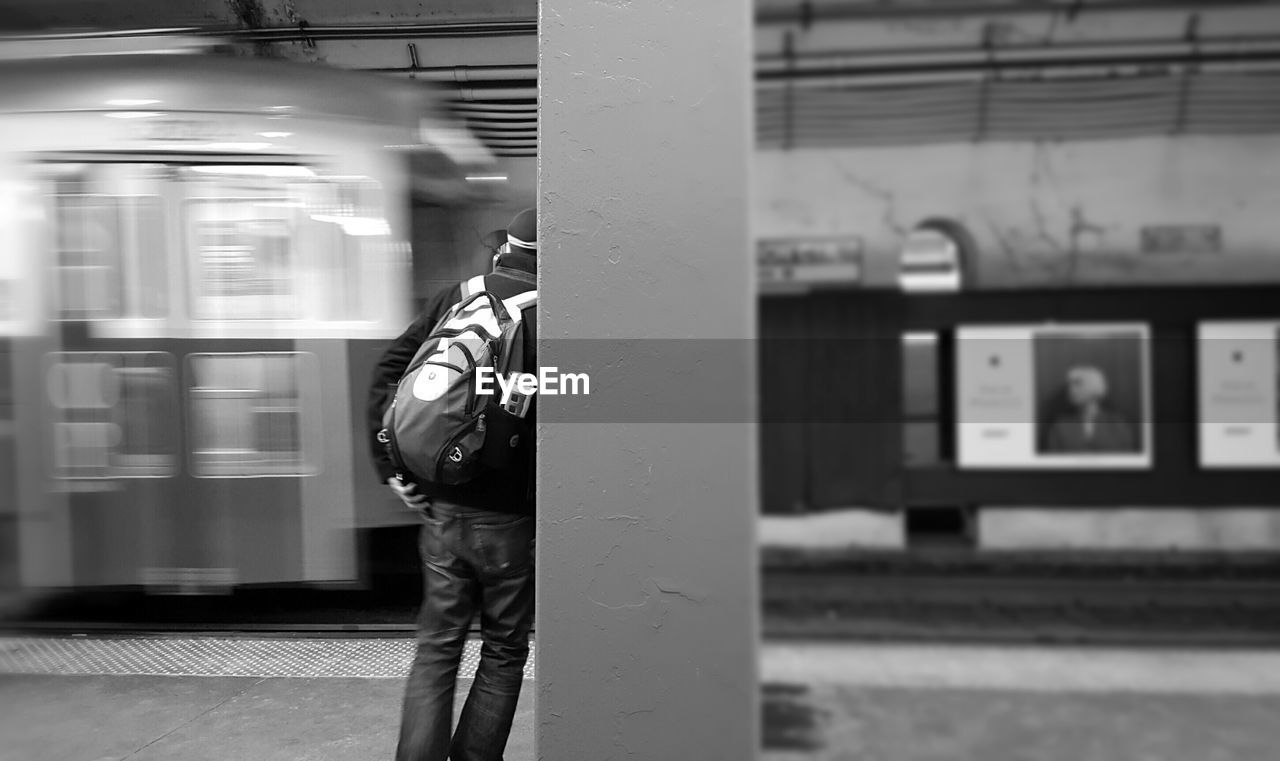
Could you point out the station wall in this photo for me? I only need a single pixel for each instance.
(447, 242)
(1047, 216)
(1043, 214)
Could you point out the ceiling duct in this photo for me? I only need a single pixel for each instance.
(808, 12)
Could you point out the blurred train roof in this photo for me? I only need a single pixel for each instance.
(177, 73)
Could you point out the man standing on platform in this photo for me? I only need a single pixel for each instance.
(477, 547)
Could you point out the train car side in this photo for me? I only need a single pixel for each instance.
(199, 280)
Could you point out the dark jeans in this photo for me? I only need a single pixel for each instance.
(472, 560)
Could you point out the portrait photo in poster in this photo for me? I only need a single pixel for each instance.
(1239, 372)
(1054, 396)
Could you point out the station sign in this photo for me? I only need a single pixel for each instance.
(1181, 239)
(801, 263)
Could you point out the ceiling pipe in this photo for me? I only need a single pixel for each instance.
(497, 134)
(522, 27)
(462, 74)
(478, 94)
(498, 128)
(1031, 54)
(530, 144)
(514, 109)
(832, 70)
(500, 119)
(307, 33)
(804, 13)
(865, 79)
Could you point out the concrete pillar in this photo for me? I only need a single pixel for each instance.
(647, 601)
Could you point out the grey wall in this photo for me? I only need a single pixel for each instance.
(646, 630)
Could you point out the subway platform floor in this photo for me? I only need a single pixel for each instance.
(187, 698)
(212, 699)
(872, 702)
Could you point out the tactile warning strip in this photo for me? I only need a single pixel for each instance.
(296, 658)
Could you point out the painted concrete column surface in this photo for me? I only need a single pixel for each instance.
(647, 600)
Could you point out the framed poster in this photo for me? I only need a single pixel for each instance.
(1054, 397)
(1238, 394)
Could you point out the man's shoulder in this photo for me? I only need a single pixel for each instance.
(504, 286)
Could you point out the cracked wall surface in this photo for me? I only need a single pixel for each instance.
(1042, 214)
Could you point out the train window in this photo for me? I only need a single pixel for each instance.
(269, 245)
(243, 253)
(274, 248)
(247, 414)
(113, 414)
(109, 242)
(346, 225)
(89, 256)
(921, 433)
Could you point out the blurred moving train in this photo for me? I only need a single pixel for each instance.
(204, 254)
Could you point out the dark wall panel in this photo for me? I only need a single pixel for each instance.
(851, 395)
(784, 374)
(854, 400)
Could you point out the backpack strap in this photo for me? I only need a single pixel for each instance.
(519, 302)
(472, 287)
(468, 301)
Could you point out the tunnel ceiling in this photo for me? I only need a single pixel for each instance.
(120, 14)
(486, 51)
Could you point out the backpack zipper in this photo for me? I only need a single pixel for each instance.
(451, 444)
(393, 449)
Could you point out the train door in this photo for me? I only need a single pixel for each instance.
(286, 269)
(107, 396)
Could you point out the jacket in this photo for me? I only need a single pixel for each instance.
(1110, 433)
(514, 274)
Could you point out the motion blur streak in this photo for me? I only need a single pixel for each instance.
(191, 299)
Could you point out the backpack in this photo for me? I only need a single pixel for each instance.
(439, 431)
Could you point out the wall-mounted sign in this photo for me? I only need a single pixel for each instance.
(1054, 397)
(1181, 239)
(1238, 394)
(809, 261)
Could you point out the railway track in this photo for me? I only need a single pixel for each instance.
(963, 596)
(889, 596)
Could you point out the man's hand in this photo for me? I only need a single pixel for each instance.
(407, 494)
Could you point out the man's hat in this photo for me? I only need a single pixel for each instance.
(522, 233)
